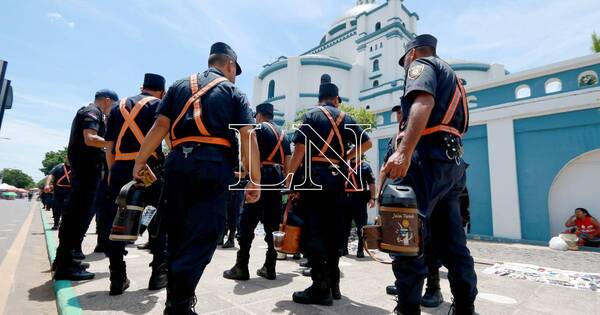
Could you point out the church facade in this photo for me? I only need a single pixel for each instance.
(534, 139)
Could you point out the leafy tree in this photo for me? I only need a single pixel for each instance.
(41, 184)
(52, 159)
(362, 116)
(595, 43)
(16, 178)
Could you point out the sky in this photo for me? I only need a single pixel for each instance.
(60, 52)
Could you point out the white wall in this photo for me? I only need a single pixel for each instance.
(575, 186)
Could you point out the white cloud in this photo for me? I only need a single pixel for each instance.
(58, 18)
(26, 145)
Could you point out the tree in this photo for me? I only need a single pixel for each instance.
(16, 178)
(362, 116)
(595, 43)
(52, 159)
(41, 184)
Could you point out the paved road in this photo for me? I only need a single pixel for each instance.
(12, 216)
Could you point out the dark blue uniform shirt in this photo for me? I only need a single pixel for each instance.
(57, 173)
(434, 76)
(349, 130)
(80, 155)
(267, 140)
(144, 120)
(225, 104)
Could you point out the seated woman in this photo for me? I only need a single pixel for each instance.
(585, 227)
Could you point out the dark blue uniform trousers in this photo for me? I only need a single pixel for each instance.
(197, 193)
(75, 214)
(268, 211)
(59, 202)
(100, 209)
(437, 182)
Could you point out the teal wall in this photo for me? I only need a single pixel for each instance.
(478, 180)
(544, 145)
(382, 146)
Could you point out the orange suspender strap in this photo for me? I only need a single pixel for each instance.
(204, 136)
(278, 146)
(63, 177)
(351, 174)
(465, 104)
(129, 123)
(334, 129)
(459, 95)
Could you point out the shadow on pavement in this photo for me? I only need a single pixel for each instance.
(94, 257)
(131, 302)
(97, 275)
(255, 285)
(42, 293)
(348, 307)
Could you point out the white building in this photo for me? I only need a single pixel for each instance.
(534, 136)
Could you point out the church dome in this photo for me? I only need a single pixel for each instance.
(362, 6)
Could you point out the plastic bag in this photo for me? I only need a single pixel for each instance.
(558, 243)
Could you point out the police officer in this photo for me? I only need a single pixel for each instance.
(429, 159)
(274, 155)
(360, 193)
(59, 181)
(329, 133)
(197, 113)
(86, 155)
(128, 124)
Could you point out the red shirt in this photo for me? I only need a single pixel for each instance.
(586, 226)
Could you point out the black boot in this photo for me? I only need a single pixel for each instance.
(404, 309)
(391, 290)
(307, 272)
(433, 295)
(100, 248)
(461, 308)
(335, 291)
(268, 269)
(78, 253)
(318, 293)
(72, 272)
(118, 278)
(230, 240)
(305, 264)
(240, 269)
(334, 278)
(158, 278)
(186, 307)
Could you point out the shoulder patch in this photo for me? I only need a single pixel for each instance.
(415, 71)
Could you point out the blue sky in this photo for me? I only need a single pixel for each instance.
(61, 51)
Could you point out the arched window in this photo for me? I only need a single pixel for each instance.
(377, 26)
(271, 92)
(380, 45)
(587, 78)
(375, 83)
(371, 48)
(375, 65)
(553, 85)
(393, 117)
(379, 119)
(472, 100)
(522, 91)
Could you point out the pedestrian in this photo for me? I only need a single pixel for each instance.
(274, 156)
(86, 155)
(322, 234)
(59, 181)
(197, 113)
(429, 159)
(128, 125)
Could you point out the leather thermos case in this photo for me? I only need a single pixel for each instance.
(130, 203)
(400, 222)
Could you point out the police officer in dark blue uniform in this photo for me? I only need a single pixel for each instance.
(360, 193)
(329, 134)
(86, 155)
(128, 124)
(429, 159)
(59, 181)
(197, 113)
(274, 156)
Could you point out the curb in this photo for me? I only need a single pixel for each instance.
(67, 301)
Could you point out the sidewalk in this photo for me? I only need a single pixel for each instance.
(363, 285)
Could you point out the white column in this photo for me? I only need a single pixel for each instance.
(503, 179)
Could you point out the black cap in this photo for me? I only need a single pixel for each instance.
(419, 41)
(264, 108)
(224, 49)
(327, 89)
(154, 82)
(397, 108)
(108, 94)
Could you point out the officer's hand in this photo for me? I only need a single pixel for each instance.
(371, 203)
(252, 192)
(138, 171)
(397, 165)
